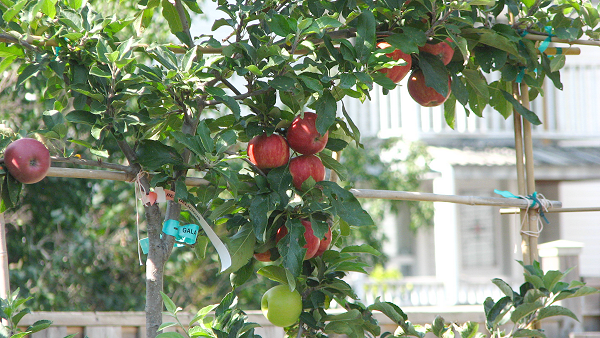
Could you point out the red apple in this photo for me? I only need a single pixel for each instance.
(303, 136)
(267, 256)
(441, 49)
(423, 95)
(268, 152)
(27, 160)
(396, 73)
(312, 242)
(305, 166)
(324, 243)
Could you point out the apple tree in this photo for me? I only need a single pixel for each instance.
(190, 107)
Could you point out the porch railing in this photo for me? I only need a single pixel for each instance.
(572, 113)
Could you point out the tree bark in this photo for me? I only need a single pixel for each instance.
(155, 263)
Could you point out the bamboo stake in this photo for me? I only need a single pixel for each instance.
(4, 279)
(529, 169)
(521, 187)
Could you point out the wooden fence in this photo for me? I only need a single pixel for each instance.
(132, 324)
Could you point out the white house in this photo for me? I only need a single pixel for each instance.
(453, 262)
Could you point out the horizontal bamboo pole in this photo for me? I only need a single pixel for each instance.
(563, 50)
(428, 197)
(539, 37)
(109, 175)
(508, 211)
(360, 193)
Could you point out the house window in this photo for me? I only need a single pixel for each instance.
(478, 243)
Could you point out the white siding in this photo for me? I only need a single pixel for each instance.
(582, 226)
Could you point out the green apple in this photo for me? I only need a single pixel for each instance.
(281, 306)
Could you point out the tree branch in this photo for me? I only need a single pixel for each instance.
(184, 20)
(97, 163)
(239, 97)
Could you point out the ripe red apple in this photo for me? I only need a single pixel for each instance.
(27, 160)
(303, 136)
(396, 73)
(441, 49)
(268, 152)
(281, 306)
(324, 243)
(312, 242)
(305, 166)
(423, 95)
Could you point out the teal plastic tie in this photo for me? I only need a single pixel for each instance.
(533, 198)
(544, 45)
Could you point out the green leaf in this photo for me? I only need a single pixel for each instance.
(582, 291)
(166, 325)
(526, 113)
(468, 329)
(345, 204)
(346, 316)
(193, 143)
(169, 305)
(290, 248)
(476, 80)
(14, 10)
(525, 309)
(220, 95)
(331, 163)
(391, 310)
(551, 278)
(326, 108)
(8, 51)
(450, 111)
(493, 39)
(241, 247)
(39, 326)
(438, 326)
(498, 310)
(435, 73)
(170, 14)
(408, 41)
(203, 312)
(154, 154)
(555, 310)
(259, 214)
(528, 333)
(528, 3)
(169, 335)
(362, 248)
(26, 72)
(81, 116)
(274, 273)
(282, 25)
(365, 35)
(49, 8)
(504, 287)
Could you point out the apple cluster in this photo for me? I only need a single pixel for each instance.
(418, 90)
(272, 151)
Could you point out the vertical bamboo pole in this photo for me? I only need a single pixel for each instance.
(4, 279)
(529, 169)
(521, 184)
